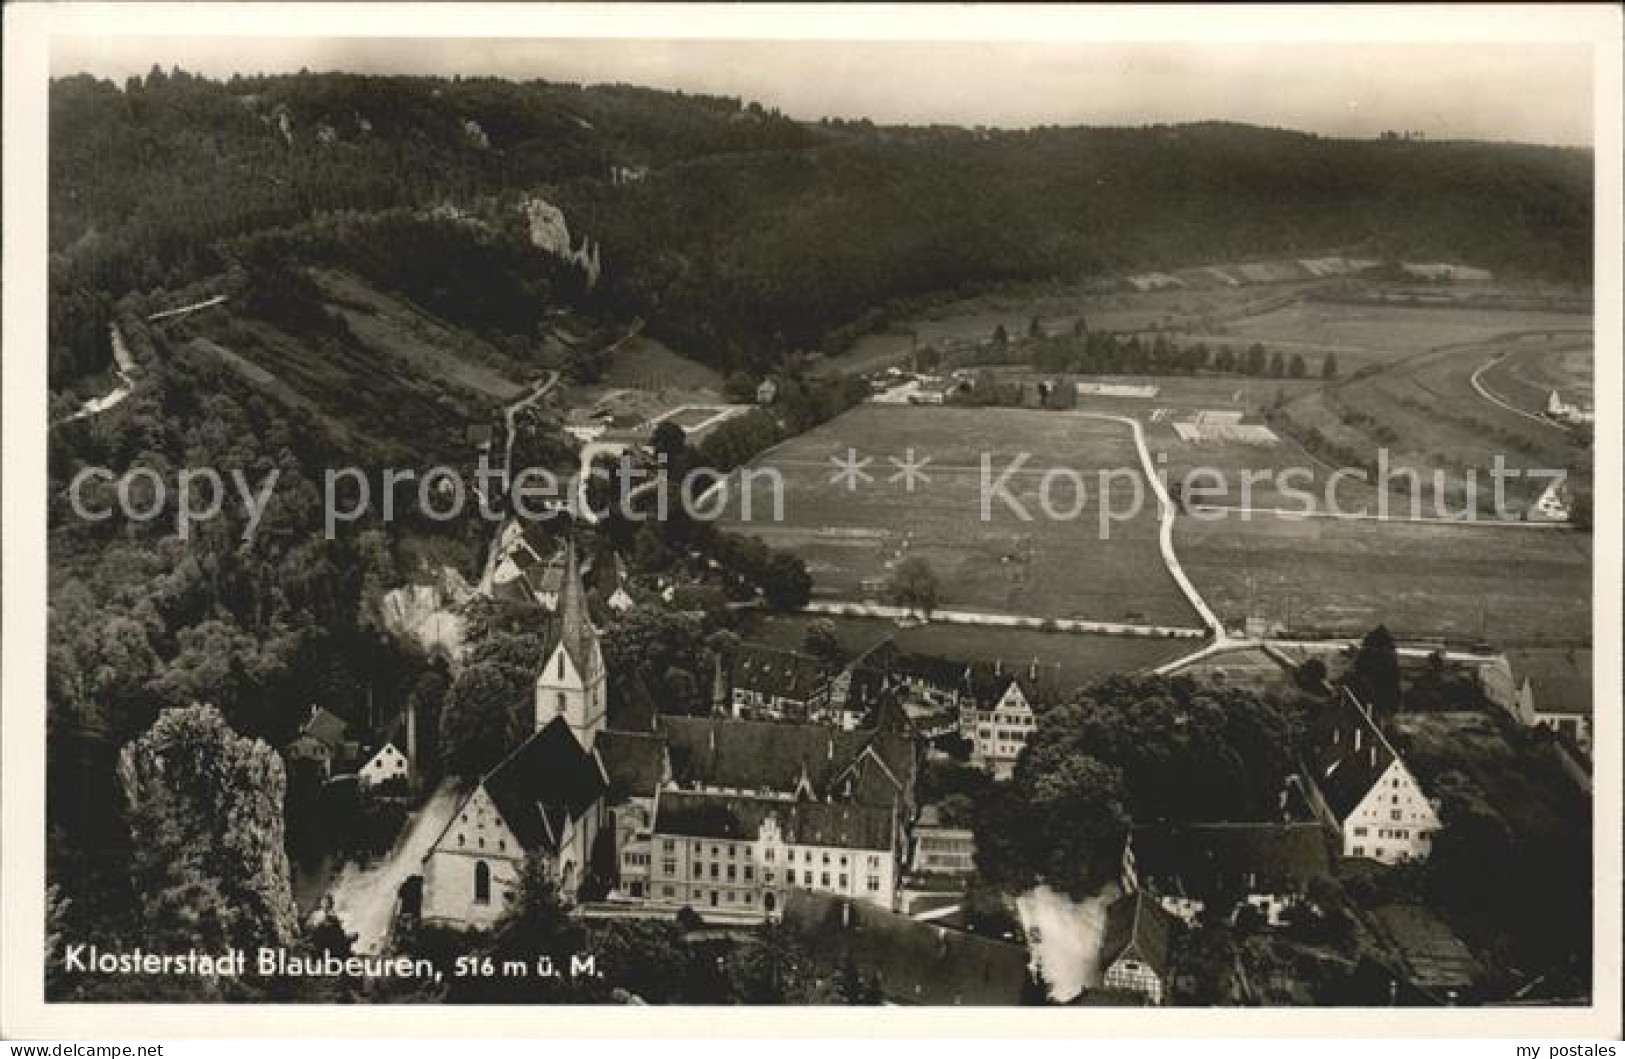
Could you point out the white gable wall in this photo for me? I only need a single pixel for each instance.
(999, 735)
(1394, 822)
(476, 834)
(388, 764)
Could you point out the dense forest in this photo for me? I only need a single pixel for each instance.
(738, 232)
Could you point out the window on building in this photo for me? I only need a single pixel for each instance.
(1398, 815)
(482, 883)
(714, 867)
(874, 884)
(806, 877)
(841, 882)
(748, 873)
(1359, 832)
(731, 872)
(823, 878)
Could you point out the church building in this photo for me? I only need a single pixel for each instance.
(546, 798)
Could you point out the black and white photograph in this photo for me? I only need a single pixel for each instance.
(668, 509)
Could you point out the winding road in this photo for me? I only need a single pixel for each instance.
(1484, 392)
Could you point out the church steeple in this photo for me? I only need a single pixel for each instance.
(571, 683)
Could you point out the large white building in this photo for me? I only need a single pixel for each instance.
(1360, 787)
(745, 853)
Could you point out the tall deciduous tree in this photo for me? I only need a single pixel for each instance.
(487, 713)
(1374, 675)
(914, 585)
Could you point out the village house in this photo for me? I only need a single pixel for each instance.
(779, 684)
(1135, 947)
(390, 757)
(1546, 688)
(322, 747)
(1573, 413)
(766, 391)
(1359, 787)
(998, 726)
(1267, 866)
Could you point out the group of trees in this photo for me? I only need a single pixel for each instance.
(1147, 749)
(1087, 352)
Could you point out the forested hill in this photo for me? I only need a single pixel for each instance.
(739, 232)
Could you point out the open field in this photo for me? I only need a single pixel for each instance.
(1427, 415)
(1364, 335)
(1464, 583)
(1074, 659)
(1047, 566)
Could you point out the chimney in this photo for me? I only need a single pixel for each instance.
(411, 736)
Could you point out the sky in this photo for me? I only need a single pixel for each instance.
(1530, 91)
